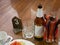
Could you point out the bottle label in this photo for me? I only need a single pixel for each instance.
(39, 31)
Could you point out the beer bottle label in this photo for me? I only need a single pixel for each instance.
(38, 31)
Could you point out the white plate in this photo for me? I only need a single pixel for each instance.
(26, 42)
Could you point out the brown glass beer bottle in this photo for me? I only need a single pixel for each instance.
(39, 29)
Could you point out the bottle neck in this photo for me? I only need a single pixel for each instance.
(39, 13)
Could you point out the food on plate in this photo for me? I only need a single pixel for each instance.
(17, 43)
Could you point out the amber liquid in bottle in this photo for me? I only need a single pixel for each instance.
(39, 25)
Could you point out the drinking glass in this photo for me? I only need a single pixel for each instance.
(28, 30)
(4, 38)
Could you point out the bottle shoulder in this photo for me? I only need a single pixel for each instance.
(38, 21)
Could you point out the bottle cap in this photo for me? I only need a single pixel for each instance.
(39, 6)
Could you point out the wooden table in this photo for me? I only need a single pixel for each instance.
(6, 25)
(35, 41)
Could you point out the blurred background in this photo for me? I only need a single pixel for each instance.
(26, 10)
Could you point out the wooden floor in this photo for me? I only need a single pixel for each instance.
(22, 9)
